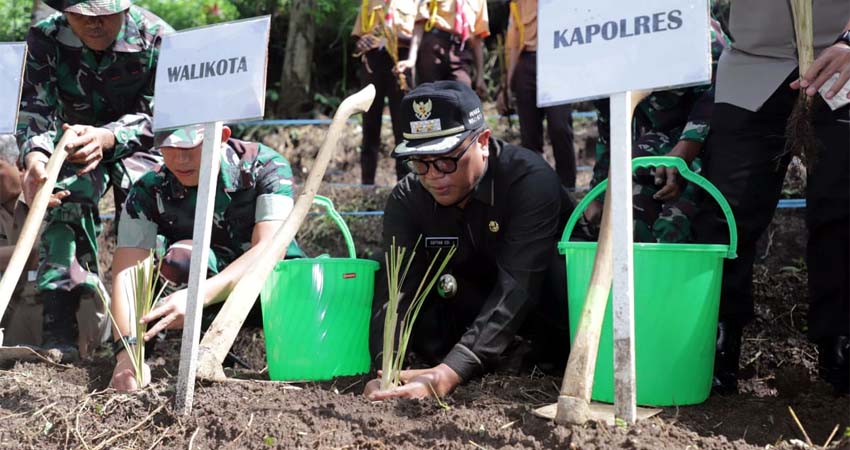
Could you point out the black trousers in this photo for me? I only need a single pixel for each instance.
(745, 158)
(558, 120)
(441, 58)
(442, 322)
(378, 70)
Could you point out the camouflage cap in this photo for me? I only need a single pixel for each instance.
(186, 137)
(90, 7)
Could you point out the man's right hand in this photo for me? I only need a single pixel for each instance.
(404, 65)
(593, 212)
(124, 375)
(34, 177)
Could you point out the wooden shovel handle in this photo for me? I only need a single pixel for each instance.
(578, 377)
(222, 332)
(33, 222)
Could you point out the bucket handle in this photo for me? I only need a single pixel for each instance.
(686, 172)
(346, 233)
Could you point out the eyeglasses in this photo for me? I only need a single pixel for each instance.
(443, 164)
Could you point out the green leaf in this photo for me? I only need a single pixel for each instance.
(621, 423)
(269, 441)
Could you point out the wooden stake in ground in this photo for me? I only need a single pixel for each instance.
(32, 224)
(574, 398)
(222, 332)
(615, 234)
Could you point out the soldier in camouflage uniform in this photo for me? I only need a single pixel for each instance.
(253, 196)
(90, 68)
(675, 123)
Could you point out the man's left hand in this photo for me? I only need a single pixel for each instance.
(437, 382)
(90, 144)
(834, 60)
(171, 312)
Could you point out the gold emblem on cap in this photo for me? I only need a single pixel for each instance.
(422, 109)
(494, 226)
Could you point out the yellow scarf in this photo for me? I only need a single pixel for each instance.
(432, 15)
(367, 17)
(518, 22)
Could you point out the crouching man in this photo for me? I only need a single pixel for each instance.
(253, 196)
(504, 208)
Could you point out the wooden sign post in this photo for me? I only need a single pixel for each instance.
(12, 61)
(597, 48)
(208, 75)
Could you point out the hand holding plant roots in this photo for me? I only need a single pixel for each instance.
(384, 34)
(799, 131)
(397, 269)
(140, 283)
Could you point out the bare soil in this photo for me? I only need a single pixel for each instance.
(47, 406)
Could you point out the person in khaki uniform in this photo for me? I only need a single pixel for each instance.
(21, 322)
(745, 156)
(378, 64)
(521, 50)
(447, 42)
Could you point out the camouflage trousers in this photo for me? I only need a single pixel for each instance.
(68, 247)
(654, 220)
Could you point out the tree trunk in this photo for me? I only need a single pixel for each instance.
(295, 95)
(40, 11)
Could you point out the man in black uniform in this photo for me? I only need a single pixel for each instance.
(504, 208)
(746, 158)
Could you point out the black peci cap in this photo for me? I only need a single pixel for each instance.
(437, 117)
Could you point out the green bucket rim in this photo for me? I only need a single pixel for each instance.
(563, 247)
(328, 261)
(688, 174)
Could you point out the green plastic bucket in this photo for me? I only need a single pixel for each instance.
(316, 313)
(676, 303)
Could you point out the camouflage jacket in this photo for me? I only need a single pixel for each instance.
(254, 185)
(678, 114)
(66, 82)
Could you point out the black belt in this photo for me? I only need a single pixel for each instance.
(451, 37)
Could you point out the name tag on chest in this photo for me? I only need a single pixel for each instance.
(441, 242)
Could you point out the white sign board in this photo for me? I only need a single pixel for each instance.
(213, 73)
(593, 48)
(12, 58)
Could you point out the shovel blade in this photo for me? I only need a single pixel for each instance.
(600, 412)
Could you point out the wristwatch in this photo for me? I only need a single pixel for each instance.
(843, 38)
(118, 345)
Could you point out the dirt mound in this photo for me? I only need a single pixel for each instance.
(45, 406)
(49, 406)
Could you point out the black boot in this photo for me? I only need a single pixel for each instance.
(59, 325)
(726, 358)
(834, 362)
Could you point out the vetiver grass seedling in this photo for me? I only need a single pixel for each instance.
(800, 132)
(397, 270)
(141, 295)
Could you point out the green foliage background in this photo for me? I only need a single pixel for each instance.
(182, 14)
(14, 19)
